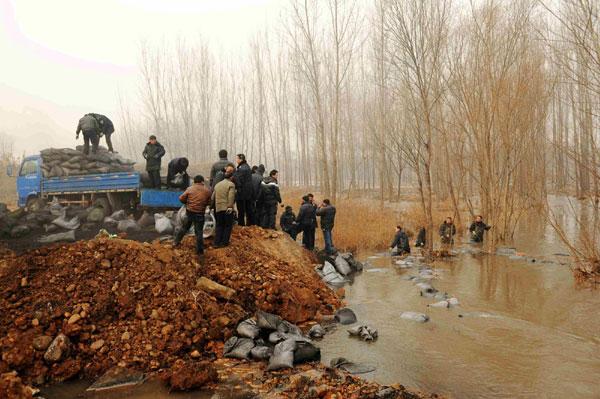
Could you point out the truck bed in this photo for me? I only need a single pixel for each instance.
(107, 182)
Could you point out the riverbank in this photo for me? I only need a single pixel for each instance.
(79, 310)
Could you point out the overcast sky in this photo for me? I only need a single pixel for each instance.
(68, 57)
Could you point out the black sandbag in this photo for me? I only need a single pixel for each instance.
(248, 329)
(267, 321)
(306, 352)
(238, 348)
(283, 356)
(287, 327)
(345, 316)
(261, 352)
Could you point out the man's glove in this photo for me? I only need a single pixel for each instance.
(281, 205)
(229, 211)
(101, 134)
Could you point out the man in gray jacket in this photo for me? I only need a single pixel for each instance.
(89, 125)
(218, 166)
(223, 198)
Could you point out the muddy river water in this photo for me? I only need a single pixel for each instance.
(540, 338)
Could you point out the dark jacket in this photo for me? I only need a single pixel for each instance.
(307, 216)
(447, 232)
(421, 238)
(196, 197)
(327, 214)
(477, 229)
(217, 167)
(218, 178)
(87, 124)
(106, 125)
(270, 191)
(401, 241)
(257, 179)
(153, 154)
(175, 167)
(243, 181)
(287, 220)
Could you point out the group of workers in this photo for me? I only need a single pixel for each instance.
(447, 231)
(94, 126)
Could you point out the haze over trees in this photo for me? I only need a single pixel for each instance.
(490, 105)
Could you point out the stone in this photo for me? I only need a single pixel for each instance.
(74, 319)
(58, 349)
(71, 288)
(195, 354)
(216, 289)
(126, 336)
(35, 322)
(97, 345)
(24, 282)
(41, 343)
(116, 377)
(170, 285)
(105, 263)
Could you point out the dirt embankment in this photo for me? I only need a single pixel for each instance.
(145, 306)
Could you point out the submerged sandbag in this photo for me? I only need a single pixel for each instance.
(345, 316)
(66, 236)
(354, 264)
(306, 352)
(248, 329)
(238, 348)
(415, 316)
(316, 331)
(351, 367)
(342, 266)
(367, 333)
(267, 321)
(283, 356)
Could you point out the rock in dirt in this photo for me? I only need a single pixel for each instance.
(42, 342)
(185, 375)
(58, 349)
(11, 387)
(218, 290)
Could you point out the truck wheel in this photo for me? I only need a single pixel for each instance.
(209, 225)
(104, 205)
(35, 204)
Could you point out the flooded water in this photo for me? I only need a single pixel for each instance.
(541, 338)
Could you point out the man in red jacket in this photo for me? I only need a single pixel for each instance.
(196, 198)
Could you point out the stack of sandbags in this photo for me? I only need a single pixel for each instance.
(57, 162)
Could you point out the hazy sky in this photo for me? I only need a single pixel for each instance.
(68, 57)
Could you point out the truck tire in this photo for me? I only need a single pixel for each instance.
(104, 205)
(35, 204)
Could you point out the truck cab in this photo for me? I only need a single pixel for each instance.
(29, 180)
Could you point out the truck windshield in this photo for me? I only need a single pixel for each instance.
(28, 168)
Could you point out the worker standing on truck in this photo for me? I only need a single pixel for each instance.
(90, 129)
(153, 152)
(178, 166)
(196, 198)
(106, 129)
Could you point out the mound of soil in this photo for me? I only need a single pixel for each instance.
(80, 309)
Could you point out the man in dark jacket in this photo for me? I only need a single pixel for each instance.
(243, 187)
(400, 242)
(327, 213)
(178, 166)
(287, 221)
(477, 229)
(447, 231)
(90, 128)
(270, 197)
(153, 152)
(218, 166)
(421, 238)
(106, 129)
(307, 220)
(257, 179)
(220, 176)
(196, 198)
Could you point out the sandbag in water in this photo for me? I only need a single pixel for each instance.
(316, 331)
(306, 352)
(345, 316)
(342, 266)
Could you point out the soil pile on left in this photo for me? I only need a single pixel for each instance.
(81, 309)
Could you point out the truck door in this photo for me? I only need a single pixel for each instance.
(28, 181)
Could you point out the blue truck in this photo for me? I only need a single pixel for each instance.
(110, 191)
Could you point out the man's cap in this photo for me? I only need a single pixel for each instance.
(153, 137)
(288, 208)
(261, 168)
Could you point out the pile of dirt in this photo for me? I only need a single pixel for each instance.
(80, 309)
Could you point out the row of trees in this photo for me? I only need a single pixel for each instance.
(495, 100)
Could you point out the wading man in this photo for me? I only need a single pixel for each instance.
(400, 242)
(327, 213)
(477, 229)
(196, 199)
(447, 231)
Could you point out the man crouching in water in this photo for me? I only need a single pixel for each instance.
(400, 242)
